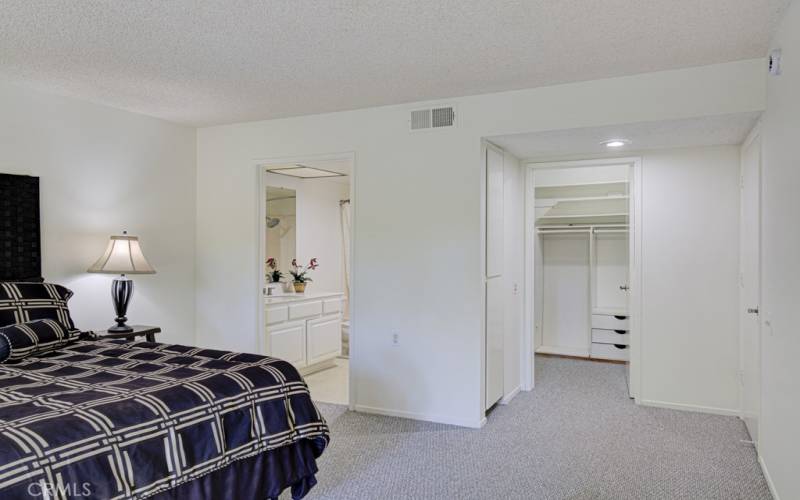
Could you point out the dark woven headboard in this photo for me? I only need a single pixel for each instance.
(20, 243)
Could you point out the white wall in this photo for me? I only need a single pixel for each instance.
(690, 235)
(780, 398)
(318, 232)
(417, 221)
(101, 171)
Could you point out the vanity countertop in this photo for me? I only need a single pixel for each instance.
(297, 297)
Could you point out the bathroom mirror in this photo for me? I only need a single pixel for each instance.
(281, 223)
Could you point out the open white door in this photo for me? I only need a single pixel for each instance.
(494, 277)
(750, 285)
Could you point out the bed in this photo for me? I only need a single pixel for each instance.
(88, 418)
(124, 419)
(96, 418)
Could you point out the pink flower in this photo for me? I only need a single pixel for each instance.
(313, 264)
(294, 262)
(271, 263)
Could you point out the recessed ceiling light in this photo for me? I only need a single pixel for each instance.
(615, 143)
(303, 171)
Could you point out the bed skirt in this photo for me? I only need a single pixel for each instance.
(262, 476)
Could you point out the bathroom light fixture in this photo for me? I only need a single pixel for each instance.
(615, 143)
(302, 171)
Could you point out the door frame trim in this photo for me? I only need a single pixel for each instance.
(754, 135)
(259, 165)
(635, 278)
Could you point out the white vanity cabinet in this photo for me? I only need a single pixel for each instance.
(288, 341)
(323, 338)
(304, 329)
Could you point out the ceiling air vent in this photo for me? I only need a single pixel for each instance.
(439, 117)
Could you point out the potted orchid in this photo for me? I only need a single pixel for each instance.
(300, 274)
(274, 274)
(275, 283)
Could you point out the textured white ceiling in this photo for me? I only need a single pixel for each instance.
(205, 62)
(692, 132)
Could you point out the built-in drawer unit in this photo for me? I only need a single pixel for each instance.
(609, 322)
(277, 314)
(617, 352)
(610, 336)
(305, 309)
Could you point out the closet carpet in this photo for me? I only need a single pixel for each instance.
(576, 437)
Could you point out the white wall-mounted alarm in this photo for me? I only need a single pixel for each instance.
(775, 62)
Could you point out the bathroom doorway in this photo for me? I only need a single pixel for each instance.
(305, 294)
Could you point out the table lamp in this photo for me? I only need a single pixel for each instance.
(123, 256)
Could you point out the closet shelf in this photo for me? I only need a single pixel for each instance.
(584, 191)
(579, 184)
(548, 202)
(583, 216)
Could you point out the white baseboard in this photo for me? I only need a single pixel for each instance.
(684, 407)
(511, 395)
(770, 484)
(439, 419)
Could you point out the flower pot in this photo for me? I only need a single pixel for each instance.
(299, 287)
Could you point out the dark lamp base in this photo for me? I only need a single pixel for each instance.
(120, 329)
(121, 293)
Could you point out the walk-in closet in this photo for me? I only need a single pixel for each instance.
(581, 261)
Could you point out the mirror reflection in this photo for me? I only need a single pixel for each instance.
(281, 225)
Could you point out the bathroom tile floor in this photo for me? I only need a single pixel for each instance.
(331, 385)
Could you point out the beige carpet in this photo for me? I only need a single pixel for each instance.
(576, 436)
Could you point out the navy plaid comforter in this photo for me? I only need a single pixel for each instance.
(117, 419)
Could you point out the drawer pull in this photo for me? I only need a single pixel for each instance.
(620, 317)
(620, 346)
(621, 332)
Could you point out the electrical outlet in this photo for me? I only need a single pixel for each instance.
(395, 338)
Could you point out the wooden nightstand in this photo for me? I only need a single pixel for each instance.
(148, 332)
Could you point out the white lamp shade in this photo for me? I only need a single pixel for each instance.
(122, 256)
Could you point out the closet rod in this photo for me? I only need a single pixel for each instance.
(566, 231)
(610, 231)
(565, 226)
(609, 225)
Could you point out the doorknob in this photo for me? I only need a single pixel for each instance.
(752, 310)
(624, 288)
